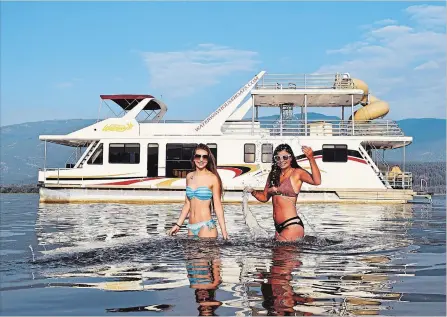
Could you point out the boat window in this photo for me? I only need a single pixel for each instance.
(178, 159)
(267, 153)
(96, 158)
(213, 149)
(335, 153)
(152, 160)
(124, 153)
(249, 152)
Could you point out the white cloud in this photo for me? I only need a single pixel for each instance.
(65, 84)
(185, 72)
(427, 66)
(402, 64)
(391, 31)
(428, 15)
(378, 23)
(385, 22)
(68, 83)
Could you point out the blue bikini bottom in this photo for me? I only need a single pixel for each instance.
(197, 273)
(195, 227)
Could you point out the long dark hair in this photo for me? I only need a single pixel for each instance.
(211, 165)
(276, 170)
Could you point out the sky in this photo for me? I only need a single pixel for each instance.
(58, 57)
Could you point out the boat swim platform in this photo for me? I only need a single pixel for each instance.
(76, 194)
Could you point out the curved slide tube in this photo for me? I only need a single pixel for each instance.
(373, 107)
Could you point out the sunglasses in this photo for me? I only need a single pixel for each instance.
(198, 156)
(284, 157)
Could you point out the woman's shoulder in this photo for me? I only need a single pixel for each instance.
(297, 172)
(189, 176)
(212, 177)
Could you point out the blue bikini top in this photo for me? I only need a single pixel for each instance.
(201, 193)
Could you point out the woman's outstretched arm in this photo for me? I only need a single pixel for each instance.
(262, 196)
(315, 177)
(218, 207)
(185, 212)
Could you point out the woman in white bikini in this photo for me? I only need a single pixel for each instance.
(284, 184)
(203, 190)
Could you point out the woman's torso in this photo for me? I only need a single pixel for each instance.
(284, 204)
(200, 196)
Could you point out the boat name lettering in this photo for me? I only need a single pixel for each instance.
(118, 127)
(222, 107)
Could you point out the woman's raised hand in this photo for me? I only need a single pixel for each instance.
(307, 151)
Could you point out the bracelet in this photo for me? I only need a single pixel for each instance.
(177, 225)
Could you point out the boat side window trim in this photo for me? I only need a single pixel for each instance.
(249, 152)
(152, 159)
(124, 153)
(213, 149)
(335, 153)
(178, 159)
(97, 157)
(267, 153)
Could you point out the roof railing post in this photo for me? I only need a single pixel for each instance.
(305, 114)
(45, 162)
(252, 115)
(352, 114)
(280, 120)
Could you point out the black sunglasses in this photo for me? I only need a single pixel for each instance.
(198, 156)
(284, 157)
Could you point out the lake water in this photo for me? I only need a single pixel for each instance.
(116, 259)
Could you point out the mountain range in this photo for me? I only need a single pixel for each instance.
(22, 153)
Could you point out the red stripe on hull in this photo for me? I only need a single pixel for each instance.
(132, 181)
(305, 159)
(351, 158)
(237, 171)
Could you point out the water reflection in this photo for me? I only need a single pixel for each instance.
(350, 262)
(203, 266)
(279, 298)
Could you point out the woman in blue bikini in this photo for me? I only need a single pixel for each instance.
(203, 189)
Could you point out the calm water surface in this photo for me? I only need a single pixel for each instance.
(114, 259)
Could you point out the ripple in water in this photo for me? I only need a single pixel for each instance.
(355, 260)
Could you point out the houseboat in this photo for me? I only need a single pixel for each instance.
(139, 157)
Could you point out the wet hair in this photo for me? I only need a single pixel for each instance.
(207, 295)
(211, 165)
(276, 170)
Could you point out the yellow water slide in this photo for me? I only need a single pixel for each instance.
(373, 107)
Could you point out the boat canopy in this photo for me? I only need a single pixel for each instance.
(128, 102)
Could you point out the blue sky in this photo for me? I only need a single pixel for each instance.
(57, 58)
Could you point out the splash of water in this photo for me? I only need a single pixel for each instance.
(255, 229)
(32, 252)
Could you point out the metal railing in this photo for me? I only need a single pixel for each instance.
(403, 180)
(305, 81)
(314, 128)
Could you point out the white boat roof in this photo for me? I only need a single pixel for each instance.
(309, 97)
(333, 90)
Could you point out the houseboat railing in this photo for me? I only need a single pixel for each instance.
(403, 180)
(305, 81)
(314, 128)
